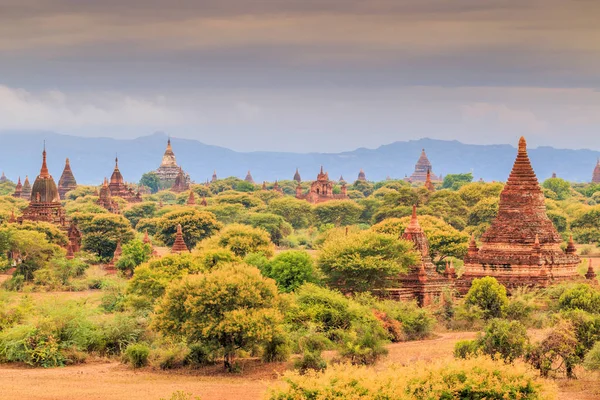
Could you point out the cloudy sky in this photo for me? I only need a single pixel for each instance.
(304, 75)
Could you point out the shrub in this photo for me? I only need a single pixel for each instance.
(592, 358)
(181, 395)
(363, 346)
(291, 269)
(137, 355)
(479, 378)
(489, 295)
(168, 357)
(582, 297)
(557, 353)
(277, 349)
(504, 339)
(466, 348)
(310, 360)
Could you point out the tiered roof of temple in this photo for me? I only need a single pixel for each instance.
(118, 187)
(522, 246)
(422, 282)
(18, 189)
(361, 175)
(67, 181)
(45, 202)
(105, 198)
(249, 178)
(191, 201)
(596, 175)
(179, 245)
(297, 177)
(181, 183)
(169, 171)
(321, 190)
(423, 165)
(26, 191)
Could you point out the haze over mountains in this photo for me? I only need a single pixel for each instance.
(93, 158)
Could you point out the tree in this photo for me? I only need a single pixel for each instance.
(489, 295)
(196, 226)
(559, 186)
(506, 339)
(365, 187)
(586, 226)
(363, 261)
(32, 249)
(151, 180)
(296, 212)
(102, 231)
(134, 253)
(277, 227)
(473, 193)
(232, 308)
(136, 212)
(337, 212)
(557, 352)
(456, 181)
(245, 199)
(444, 240)
(483, 212)
(291, 269)
(242, 240)
(81, 191)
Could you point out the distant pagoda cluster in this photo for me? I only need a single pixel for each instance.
(423, 171)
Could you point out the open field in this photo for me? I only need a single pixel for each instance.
(111, 380)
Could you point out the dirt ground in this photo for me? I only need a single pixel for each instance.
(112, 380)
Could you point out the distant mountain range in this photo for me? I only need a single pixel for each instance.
(93, 158)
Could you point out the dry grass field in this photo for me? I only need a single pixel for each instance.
(110, 380)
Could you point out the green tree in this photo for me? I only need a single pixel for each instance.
(196, 226)
(291, 269)
(456, 181)
(233, 308)
(506, 339)
(559, 186)
(102, 231)
(32, 249)
(363, 261)
(277, 227)
(136, 212)
(483, 212)
(150, 180)
(134, 253)
(489, 295)
(337, 212)
(297, 212)
(242, 240)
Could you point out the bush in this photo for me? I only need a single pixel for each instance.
(168, 357)
(466, 348)
(479, 378)
(504, 339)
(137, 355)
(580, 297)
(557, 353)
(310, 361)
(181, 395)
(277, 349)
(363, 346)
(592, 358)
(291, 269)
(489, 295)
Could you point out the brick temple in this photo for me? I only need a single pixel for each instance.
(118, 187)
(181, 183)
(596, 174)
(67, 181)
(321, 190)
(422, 282)
(420, 174)
(168, 170)
(522, 246)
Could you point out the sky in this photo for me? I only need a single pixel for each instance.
(304, 75)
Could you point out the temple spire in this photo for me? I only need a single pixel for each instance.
(44, 170)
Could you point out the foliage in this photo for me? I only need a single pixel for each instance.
(102, 231)
(196, 226)
(507, 340)
(276, 225)
(291, 269)
(580, 297)
(150, 180)
(592, 358)
(479, 378)
(456, 181)
(134, 253)
(560, 187)
(233, 307)
(557, 353)
(136, 212)
(364, 260)
(242, 240)
(489, 295)
(136, 354)
(297, 212)
(337, 212)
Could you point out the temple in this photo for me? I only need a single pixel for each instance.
(422, 282)
(118, 187)
(26, 190)
(362, 176)
(45, 202)
(297, 177)
(423, 165)
(181, 183)
(214, 177)
(67, 181)
(191, 201)
(18, 189)
(179, 245)
(249, 178)
(321, 190)
(105, 198)
(169, 171)
(522, 246)
(596, 175)
(428, 183)
(3, 178)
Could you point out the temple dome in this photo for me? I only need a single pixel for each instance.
(44, 188)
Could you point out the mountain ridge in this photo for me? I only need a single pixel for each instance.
(92, 158)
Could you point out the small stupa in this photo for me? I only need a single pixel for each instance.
(179, 245)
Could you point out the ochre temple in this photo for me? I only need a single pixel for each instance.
(105, 198)
(249, 178)
(118, 187)
(321, 190)
(423, 165)
(18, 189)
(596, 175)
(361, 176)
(26, 190)
(181, 182)
(45, 202)
(297, 177)
(428, 183)
(169, 170)
(179, 245)
(522, 246)
(422, 282)
(67, 181)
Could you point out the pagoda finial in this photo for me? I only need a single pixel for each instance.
(44, 170)
(116, 161)
(522, 145)
(414, 221)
